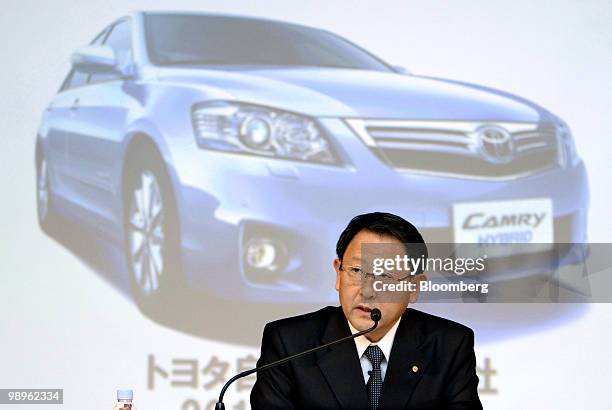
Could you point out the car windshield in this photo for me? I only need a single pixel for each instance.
(177, 39)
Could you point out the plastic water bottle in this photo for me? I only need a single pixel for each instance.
(124, 400)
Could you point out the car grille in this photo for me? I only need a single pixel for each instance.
(456, 148)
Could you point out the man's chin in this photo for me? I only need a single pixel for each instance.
(361, 320)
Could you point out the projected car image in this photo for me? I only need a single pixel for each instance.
(226, 153)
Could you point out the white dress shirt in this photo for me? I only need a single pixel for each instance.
(385, 344)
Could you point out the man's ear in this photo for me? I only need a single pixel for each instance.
(414, 296)
(336, 265)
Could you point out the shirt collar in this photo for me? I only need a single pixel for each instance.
(385, 344)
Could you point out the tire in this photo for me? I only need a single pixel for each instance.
(152, 234)
(47, 217)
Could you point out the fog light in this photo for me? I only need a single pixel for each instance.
(261, 254)
(264, 259)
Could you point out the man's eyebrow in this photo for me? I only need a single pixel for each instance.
(356, 258)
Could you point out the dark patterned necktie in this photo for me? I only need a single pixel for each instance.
(375, 382)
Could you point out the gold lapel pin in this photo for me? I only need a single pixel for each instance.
(415, 369)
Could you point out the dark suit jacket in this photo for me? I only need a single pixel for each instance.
(441, 350)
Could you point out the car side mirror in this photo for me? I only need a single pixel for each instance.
(401, 70)
(95, 60)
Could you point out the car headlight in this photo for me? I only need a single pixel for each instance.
(567, 152)
(256, 130)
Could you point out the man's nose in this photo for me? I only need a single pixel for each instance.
(367, 288)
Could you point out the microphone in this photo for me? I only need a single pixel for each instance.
(375, 315)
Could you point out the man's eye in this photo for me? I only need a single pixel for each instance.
(356, 271)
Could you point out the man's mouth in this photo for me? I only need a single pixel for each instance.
(364, 308)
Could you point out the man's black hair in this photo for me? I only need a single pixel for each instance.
(382, 223)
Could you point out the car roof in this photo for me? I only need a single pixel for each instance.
(222, 15)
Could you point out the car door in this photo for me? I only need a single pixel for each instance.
(58, 123)
(101, 115)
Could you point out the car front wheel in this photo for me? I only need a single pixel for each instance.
(152, 239)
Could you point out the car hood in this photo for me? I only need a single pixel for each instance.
(332, 92)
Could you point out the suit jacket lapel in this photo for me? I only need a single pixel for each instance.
(406, 365)
(340, 365)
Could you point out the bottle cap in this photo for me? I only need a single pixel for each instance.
(125, 394)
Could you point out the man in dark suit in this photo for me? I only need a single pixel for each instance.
(412, 360)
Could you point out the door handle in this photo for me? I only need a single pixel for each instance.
(75, 105)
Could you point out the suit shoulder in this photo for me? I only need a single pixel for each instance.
(432, 325)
